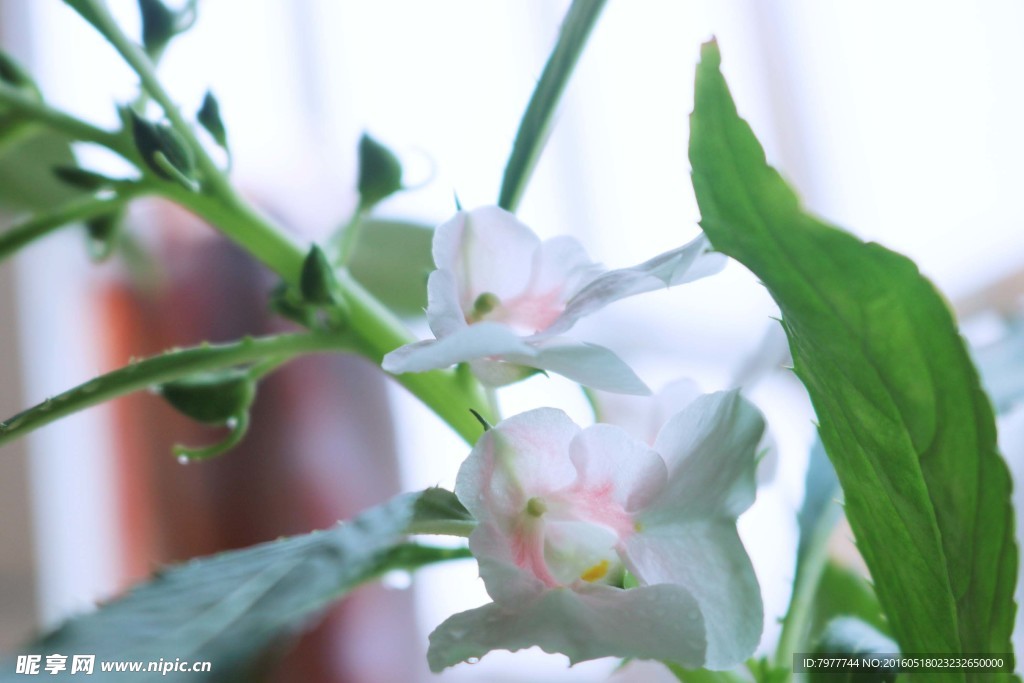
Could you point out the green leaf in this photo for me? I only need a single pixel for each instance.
(209, 118)
(82, 179)
(228, 608)
(380, 172)
(843, 592)
(211, 397)
(27, 160)
(14, 74)
(535, 125)
(901, 411)
(392, 260)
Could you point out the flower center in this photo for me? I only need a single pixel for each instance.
(565, 544)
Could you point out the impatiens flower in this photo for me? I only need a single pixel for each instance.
(564, 513)
(501, 299)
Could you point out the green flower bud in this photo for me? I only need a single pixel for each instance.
(318, 282)
(211, 397)
(159, 25)
(380, 172)
(209, 118)
(154, 139)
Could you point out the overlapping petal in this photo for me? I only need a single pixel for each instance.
(492, 270)
(563, 511)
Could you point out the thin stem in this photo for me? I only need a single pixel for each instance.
(801, 603)
(343, 243)
(376, 329)
(143, 66)
(165, 368)
(32, 229)
(56, 119)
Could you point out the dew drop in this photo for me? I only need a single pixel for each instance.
(396, 580)
(183, 460)
(231, 422)
(472, 660)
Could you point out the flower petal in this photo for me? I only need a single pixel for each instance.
(710, 450)
(520, 457)
(562, 264)
(708, 559)
(608, 458)
(444, 313)
(691, 261)
(487, 250)
(471, 342)
(589, 364)
(651, 622)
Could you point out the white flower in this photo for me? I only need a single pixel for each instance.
(563, 513)
(501, 299)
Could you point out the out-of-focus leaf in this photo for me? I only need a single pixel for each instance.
(1001, 365)
(392, 260)
(227, 608)
(535, 125)
(843, 592)
(27, 161)
(901, 411)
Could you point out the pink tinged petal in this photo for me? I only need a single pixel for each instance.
(501, 564)
(708, 560)
(611, 464)
(588, 364)
(653, 622)
(444, 314)
(469, 343)
(710, 451)
(690, 262)
(488, 251)
(518, 459)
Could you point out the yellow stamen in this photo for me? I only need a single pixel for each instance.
(596, 572)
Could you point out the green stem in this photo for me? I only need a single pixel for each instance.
(536, 122)
(74, 128)
(165, 368)
(380, 332)
(801, 603)
(143, 66)
(344, 242)
(13, 239)
(376, 328)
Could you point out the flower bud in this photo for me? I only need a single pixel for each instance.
(209, 118)
(380, 172)
(160, 145)
(211, 397)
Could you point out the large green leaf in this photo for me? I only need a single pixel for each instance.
(901, 411)
(28, 156)
(226, 609)
(392, 260)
